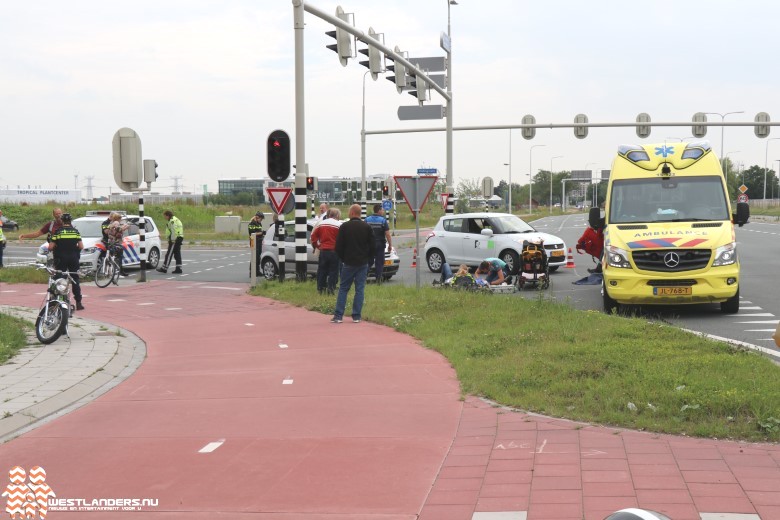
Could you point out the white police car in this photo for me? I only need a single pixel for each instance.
(89, 228)
(469, 238)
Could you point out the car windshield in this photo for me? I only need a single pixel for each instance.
(510, 224)
(677, 199)
(88, 228)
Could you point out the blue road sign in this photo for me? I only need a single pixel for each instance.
(387, 204)
(422, 171)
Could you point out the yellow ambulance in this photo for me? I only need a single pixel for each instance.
(669, 233)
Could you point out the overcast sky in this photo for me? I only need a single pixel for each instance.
(203, 82)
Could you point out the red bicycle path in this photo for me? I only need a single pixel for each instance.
(319, 421)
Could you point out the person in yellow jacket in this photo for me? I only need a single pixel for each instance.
(175, 239)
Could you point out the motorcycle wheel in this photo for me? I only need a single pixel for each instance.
(51, 323)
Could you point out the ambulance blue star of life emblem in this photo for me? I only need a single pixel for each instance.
(664, 150)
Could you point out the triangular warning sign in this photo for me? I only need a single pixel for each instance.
(415, 189)
(279, 198)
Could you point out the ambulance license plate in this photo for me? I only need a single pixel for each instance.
(672, 291)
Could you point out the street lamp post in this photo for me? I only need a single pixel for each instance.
(766, 152)
(722, 119)
(509, 202)
(531, 176)
(449, 103)
(363, 144)
(551, 176)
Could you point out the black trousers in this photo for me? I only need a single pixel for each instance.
(71, 264)
(174, 248)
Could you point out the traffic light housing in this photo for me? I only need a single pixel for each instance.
(400, 72)
(374, 63)
(343, 45)
(385, 190)
(150, 170)
(310, 183)
(278, 152)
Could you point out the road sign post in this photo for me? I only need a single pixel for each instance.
(415, 190)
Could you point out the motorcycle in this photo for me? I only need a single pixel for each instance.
(53, 317)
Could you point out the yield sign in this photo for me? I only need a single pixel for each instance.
(416, 189)
(279, 197)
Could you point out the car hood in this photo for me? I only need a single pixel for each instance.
(536, 236)
(669, 235)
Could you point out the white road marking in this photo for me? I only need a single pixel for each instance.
(173, 308)
(749, 308)
(116, 300)
(282, 345)
(146, 303)
(757, 314)
(769, 322)
(209, 269)
(541, 448)
(225, 288)
(249, 324)
(208, 448)
(287, 381)
(9, 291)
(197, 272)
(760, 330)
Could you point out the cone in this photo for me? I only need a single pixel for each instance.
(570, 260)
(414, 258)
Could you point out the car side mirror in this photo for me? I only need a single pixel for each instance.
(742, 215)
(487, 232)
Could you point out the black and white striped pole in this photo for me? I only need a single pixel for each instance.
(142, 236)
(280, 240)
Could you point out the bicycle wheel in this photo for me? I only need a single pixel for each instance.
(51, 323)
(105, 272)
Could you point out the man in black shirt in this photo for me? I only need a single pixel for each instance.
(256, 226)
(66, 244)
(354, 246)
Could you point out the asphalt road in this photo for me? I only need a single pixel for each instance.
(754, 324)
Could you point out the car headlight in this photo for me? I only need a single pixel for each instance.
(617, 257)
(89, 250)
(61, 287)
(43, 250)
(725, 255)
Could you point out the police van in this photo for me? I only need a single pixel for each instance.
(669, 235)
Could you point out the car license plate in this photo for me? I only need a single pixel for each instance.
(557, 252)
(388, 262)
(672, 291)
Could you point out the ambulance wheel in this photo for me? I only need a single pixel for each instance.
(610, 305)
(730, 306)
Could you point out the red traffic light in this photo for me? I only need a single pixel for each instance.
(276, 143)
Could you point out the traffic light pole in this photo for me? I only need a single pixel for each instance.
(300, 145)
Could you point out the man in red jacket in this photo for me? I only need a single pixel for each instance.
(592, 242)
(324, 238)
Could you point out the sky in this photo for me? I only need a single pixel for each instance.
(203, 83)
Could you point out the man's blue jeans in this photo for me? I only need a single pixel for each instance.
(328, 271)
(350, 274)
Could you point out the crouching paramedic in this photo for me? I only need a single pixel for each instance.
(66, 244)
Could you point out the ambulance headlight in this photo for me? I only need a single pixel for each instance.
(617, 257)
(725, 255)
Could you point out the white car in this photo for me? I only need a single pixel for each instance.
(269, 258)
(469, 238)
(89, 228)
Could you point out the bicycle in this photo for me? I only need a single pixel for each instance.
(53, 317)
(107, 270)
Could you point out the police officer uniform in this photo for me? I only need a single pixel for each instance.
(256, 226)
(66, 242)
(380, 228)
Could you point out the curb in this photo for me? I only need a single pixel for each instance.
(124, 352)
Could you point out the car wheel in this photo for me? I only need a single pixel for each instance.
(435, 259)
(730, 306)
(554, 268)
(153, 258)
(512, 260)
(269, 269)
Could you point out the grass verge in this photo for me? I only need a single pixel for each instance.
(12, 336)
(23, 275)
(548, 358)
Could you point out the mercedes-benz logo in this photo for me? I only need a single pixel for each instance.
(672, 260)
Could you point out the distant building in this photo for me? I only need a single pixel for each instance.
(157, 198)
(39, 196)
